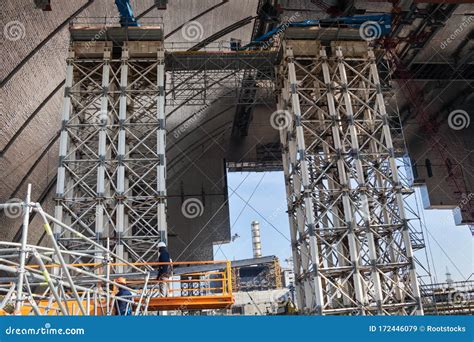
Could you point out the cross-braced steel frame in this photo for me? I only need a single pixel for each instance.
(111, 175)
(349, 229)
(198, 78)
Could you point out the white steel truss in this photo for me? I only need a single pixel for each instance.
(111, 175)
(350, 234)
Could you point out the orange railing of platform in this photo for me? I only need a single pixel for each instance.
(194, 290)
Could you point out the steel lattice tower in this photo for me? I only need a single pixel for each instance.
(111, 175)
(350, 235)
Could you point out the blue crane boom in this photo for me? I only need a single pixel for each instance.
(382, 21)
(126, 13)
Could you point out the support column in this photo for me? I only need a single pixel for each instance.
(63, 142)
(121, 191)
(161, 146)
(101, 222)
(360, 179)
(313, 300)
(350, 232)
(344, 183)
(111, 176)
(398, 186)
(285, 138)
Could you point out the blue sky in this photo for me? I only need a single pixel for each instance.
(265, 193)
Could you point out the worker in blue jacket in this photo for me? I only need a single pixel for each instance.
(123, 308)
(164, 270)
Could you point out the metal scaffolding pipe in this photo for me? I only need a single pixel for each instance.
(24, 239)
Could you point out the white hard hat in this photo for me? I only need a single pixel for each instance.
(161, 244)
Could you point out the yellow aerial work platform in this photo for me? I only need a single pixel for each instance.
(193, 290)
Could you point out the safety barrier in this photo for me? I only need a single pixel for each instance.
(195, 285)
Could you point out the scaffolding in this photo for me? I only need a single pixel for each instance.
(197, 78)
(111, 178)
(111, 183)
(350, 235)
(350, 229)
(37, 280)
